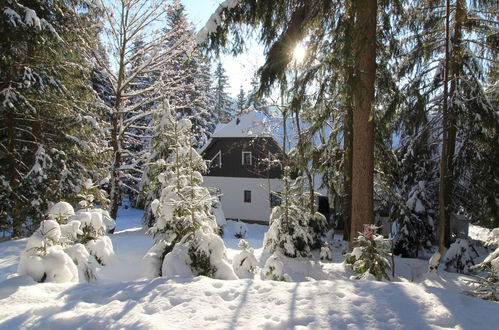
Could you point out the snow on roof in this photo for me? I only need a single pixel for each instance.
(254, 123)
(248, 124)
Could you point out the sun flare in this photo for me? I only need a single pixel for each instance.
(299, 52)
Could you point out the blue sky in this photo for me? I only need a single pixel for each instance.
(240, 69)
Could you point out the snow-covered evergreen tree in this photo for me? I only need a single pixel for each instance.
(412, 194)
(67, 247)
(460, 256)
(49, 133)
(223, 103)
(185, 231)
(370, 256)
(133, 100)
(487, 282)
(245, 264)
(291, 231)
(187, 80)
(241, 99)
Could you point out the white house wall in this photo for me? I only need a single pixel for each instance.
(232, 189)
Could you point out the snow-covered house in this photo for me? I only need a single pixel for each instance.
(244, 167)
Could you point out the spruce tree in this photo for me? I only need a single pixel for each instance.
(185, 231)
(49, 132)
(446, 76)
(187, 80)
(223, 104)
(241, 99)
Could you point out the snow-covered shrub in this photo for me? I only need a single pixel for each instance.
(370, 256)
(245, 264)
(87, 195)
(85, 263)
(460, 256)
(218, 212)
(318, 225)
(61, 211)
(68, 251)
(93, 235)
(326, 252)
(44, 259)
(91, 192)
(274, 269)
(487, 284)
(184, 231)
(238, 229)
(54, 265)
(102, 249)
(71, 230)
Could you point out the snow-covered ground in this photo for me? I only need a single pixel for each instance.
(122, 299)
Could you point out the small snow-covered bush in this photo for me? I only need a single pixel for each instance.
(54, 265)
(102, 249)
(85, 263)
(326, 252)
(54, 252)
(487, 284)
(94, 236)
(238, 229)
(245, 264)
(274, 269)
(44, 259)
(204, 254)
(71, 230)
(460, 256)
(218, 212)
(370, 256)
(87, 195)
(61, 211)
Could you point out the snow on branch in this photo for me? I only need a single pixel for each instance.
(214, 21)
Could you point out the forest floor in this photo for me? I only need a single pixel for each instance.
(322, 295)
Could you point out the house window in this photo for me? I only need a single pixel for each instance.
(275, 200)
(247, 196)
(246, 157)
(217, 160)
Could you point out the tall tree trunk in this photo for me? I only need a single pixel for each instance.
(304, 165)
(364, 51)
(443, 225)
(455, 67)
(115, 194)
(17, 222)
(347, 122)
(117, 116)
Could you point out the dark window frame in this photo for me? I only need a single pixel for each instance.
(247, 196)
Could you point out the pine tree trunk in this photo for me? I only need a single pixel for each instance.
(455, 66)
(364, 51)
(117, 117)
(443, 225)
(115, 195)
(303, 161)
(17, 222)
(348, 124)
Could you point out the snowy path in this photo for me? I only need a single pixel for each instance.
(122, 300)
